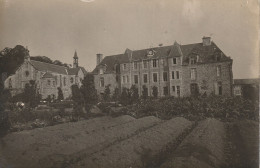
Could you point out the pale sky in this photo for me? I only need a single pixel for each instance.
(55, 28)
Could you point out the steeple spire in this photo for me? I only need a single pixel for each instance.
(75, 62)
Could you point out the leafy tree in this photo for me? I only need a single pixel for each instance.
(107, 93)
(4, 120)
(116, 94)
(89, 92)
(60, 94)
(124, 96)
(78, 99)
(155, 91)
(30, 94)
(134, 94)
(145, 92)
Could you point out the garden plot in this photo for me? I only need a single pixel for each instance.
(203, 147)
(29, 146)
(139, 149)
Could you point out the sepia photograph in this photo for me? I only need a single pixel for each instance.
(129, 83)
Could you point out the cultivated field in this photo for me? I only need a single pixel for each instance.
(126, 142)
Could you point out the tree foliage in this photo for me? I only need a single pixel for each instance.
(60, 94)
(155, 91)
(107, 93)
(145, 92)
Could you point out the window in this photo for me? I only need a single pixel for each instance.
(165, 62)
(178, 91)
(165, 91)
(173, 88)
(177, 75)
(123, 79)
(154, 77)
(53, 82)
(101, 71)
(145, 78)
(102, 82)
(48, 82)
(124, 66)
(193, 74)
(218, 70)
(173, 77)
(218, 88)
(174, 61)
(193, 60)
(145, 64)
(71, 80)
(136, 79)
(127, 79)
(135, 65)
(154, 63)
(27, 73)
(165, 76)
(64, 81)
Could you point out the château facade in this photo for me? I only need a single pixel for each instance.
(48, 77)
(175, 70)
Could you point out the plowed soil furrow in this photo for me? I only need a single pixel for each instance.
(139, 149)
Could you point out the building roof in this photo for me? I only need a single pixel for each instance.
(74, 71)
(254, 81)
(206, 54)
(42, 66)
(48, 75)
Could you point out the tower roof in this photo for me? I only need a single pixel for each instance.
(75, 55)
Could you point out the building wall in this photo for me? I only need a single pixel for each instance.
(109, 79)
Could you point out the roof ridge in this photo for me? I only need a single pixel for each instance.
(50, 64)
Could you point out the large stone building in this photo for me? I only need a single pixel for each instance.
(48, 77)
(175, 70)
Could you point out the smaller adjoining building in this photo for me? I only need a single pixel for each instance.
(48, 77)
(247, 88)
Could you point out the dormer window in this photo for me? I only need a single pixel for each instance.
(101, 71)
(174, 61)
(135, 64)
(193, 60)
(150, 53)
(154, 63)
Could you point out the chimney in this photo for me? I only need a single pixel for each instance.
(99, 58)
(206, 41)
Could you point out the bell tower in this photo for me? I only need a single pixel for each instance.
(75, 60)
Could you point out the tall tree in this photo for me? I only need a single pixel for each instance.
(89, 92)
(155, 91)
(124, 99)
(134, 94)
(60, 94)
(145, 92)
(107, 93)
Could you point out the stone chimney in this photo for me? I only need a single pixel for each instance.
(206, 41)
(99, 58)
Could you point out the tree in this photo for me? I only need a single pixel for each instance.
(42, 59)
(60, 94)
(78, 99)
(145, 92)
(107, 93)
(134, 94)
(89, 92)
(124, 96)
(155, 91)
(116, 94)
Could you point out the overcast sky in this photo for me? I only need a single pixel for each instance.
(55, 28)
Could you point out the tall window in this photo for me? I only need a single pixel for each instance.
(101, 71)
(154, 77)
(174, 61)
(178, 91)
(219, 70)
(54, 83)
(165, 76)
(154, 63)
(193, 60)
(173, 77)
(124, 66)
(177, 75)
(136, 79)
(27, 73)
(102, 82)
(127, 79)
(193, 74)
(173, 88)
(165, 90)
(145, 78)
(145, 64)
(135, 65)
(48, 82)
(64, 81)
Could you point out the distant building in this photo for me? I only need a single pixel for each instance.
(175, 70)
(48, 77)
(247, 88)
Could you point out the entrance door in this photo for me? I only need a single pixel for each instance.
(194, 89)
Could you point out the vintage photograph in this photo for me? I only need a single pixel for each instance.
(129, 84)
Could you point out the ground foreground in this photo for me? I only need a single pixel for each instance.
(126, 142)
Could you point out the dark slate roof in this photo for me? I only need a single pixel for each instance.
(254, 81)
(206, 54)
(42, 66)
(48, 75)
(74, 71)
